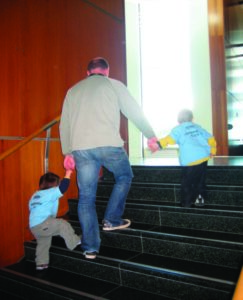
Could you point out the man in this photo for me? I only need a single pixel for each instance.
(90, 132)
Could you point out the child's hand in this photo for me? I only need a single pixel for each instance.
(69, 163)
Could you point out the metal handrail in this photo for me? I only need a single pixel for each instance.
(29, 138)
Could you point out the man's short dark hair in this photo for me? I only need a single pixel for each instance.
(98, 62)
(48, 180)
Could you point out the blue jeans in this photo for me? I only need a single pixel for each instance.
(88, 164)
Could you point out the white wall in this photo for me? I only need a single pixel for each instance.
(167, 39)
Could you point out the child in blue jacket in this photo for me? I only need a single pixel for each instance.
(196, 147)
(43, 223)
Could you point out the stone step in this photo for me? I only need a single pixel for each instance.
(157, 274)
(231, 196)
(216, 175)
(204, 219)
(168, 253)
(21, 281)
(186, 244)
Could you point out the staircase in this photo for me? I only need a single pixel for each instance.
(169, 252)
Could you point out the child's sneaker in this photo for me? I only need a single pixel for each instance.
(42, 267)
(90, 255)
(199, 201)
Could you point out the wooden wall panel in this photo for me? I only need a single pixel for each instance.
(93, 39)
(114, 8)
(32, 167)
(10, 62)
(218, 74)
(11, 226)
(45, 47)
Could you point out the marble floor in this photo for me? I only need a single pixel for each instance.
(173, 161)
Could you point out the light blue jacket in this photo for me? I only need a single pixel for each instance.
(196, 145)
(43, 204)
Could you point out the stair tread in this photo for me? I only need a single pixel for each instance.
(176, 265)
(169, 206)
(182, 232)
(208, 208)
(194, 233)
(189, 267)
(64, 278)
(79, 283)
(216, 174)
(10, 296)
(122, 293)
(167, 252)
(161, 185)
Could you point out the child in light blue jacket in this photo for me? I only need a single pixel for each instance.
(43, 221)
(196, 147)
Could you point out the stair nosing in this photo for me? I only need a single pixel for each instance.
(55, 285)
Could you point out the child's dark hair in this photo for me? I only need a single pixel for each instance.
(48, 180)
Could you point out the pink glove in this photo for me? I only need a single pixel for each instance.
(69, 163)
(152, 144)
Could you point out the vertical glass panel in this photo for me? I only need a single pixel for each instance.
(167, 65)
(165, 61)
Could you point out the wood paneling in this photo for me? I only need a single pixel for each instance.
(32, 167)
(11, 75)
(114, 8)
(45, 47)
(12, 224)
(218, 74)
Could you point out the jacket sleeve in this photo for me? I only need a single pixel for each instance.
(64, 129)
(213, 144)
(168, 140)
(63, 187)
